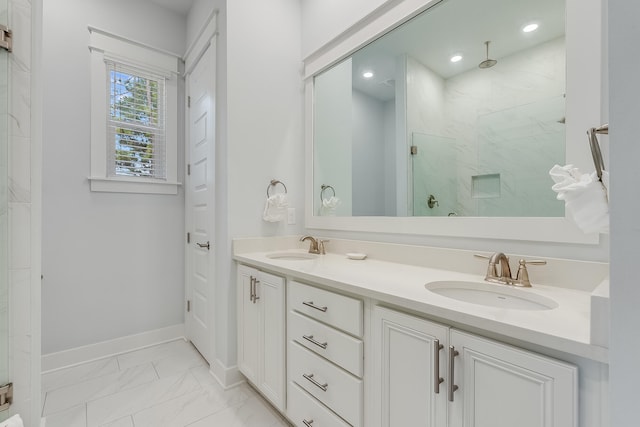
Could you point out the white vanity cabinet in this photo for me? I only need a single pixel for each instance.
(489, 384)
(504, 386)
(408, 357)
(325, 352)
(261, 332)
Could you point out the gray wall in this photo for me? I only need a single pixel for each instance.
(624, 104)
(112, 263)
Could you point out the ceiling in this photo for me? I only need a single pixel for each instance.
(457, 27)
(179, 6)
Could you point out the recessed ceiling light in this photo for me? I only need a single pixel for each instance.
(529, 28)
(456, 58)
(367, 74)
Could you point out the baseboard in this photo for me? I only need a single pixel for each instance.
(227, 377)
(87, 353)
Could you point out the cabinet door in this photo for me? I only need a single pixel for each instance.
(248, 311)
(406, 350)
(503, 386)
(270, 293)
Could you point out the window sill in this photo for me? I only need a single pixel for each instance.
(129, 185)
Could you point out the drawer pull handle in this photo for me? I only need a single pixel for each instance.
(307, 423)
(310, 304)
(437, 380)
(452, 387)
(312, 380)
(309, 338)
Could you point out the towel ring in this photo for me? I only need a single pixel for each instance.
(273, 183)
(595, 148)
(324, 187)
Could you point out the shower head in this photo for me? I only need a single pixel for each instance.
(487, 63)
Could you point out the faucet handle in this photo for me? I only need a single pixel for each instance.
(532, 262)
(522, 278)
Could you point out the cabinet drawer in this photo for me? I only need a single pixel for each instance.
(334, 309)
(339, 390)
(338, 347)
(303, 407)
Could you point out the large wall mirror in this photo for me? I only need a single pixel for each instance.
(453, 118)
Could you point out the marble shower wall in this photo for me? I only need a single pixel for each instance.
(505, 124)
(521, 144)
(4, 224)
(24, 341)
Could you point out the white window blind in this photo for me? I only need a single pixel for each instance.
(136, 145)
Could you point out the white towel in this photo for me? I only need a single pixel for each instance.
(585, 197)
(329, 206)
(14, 421)
(275, 209)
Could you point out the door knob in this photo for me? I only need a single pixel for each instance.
(204, 245)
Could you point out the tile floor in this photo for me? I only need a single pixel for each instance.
(167, 385)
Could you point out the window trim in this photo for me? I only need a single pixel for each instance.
(108, 47)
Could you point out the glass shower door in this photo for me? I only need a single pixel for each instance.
(434, 178)
(4, 212)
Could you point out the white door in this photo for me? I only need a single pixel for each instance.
(409, 359)
(503, 386)
(200, 203)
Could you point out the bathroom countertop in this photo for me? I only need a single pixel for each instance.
(565, 328)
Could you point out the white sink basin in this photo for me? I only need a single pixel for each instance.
(501, 296)
(292, 256)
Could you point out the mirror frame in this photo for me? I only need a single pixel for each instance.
(584, 94)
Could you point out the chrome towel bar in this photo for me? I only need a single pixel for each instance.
(595, 147)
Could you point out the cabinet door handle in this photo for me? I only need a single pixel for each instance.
(255, 290)
(452, 387)
(309, 338)
(310, 378)
(312, 305)
(251, 282)
(437, 379)
(307, 423)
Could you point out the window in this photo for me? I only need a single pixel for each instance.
(135, 123)
(133, 117)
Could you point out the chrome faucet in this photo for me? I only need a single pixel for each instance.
(313, 244)
(498, 258)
